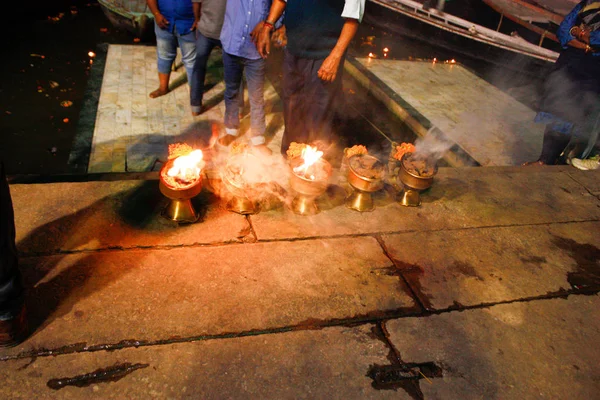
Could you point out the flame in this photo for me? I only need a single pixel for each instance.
(187, 168)
(310, 155)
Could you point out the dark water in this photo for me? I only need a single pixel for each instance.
(46, 64)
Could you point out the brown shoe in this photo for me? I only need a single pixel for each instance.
(13, 328)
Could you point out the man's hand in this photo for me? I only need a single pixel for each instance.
(263, 43)
(161, 21)
(329, 68)
(256, 32)
(279, 37)
(195, 25)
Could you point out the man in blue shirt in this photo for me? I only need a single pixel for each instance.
(241, 57)
(174, 24)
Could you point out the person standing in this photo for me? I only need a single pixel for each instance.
(243, 19)
(570, 104)
(174, 25)
(318, 35)
(13, 325)
(209, 14)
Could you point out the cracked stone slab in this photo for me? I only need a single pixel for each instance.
(488, 265)
(111, 296)
(327, 364)
(458, 198)
(545, 349)
(589, 179)
(98, 215)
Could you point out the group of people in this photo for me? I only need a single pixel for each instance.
(318, 34)
(570, 104)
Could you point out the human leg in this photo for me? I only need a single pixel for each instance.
(255, 79)
(321, 102)
(166, 51)
(233, 69)
(204, 46)
(187, 45)
(553, 145)
(294, 113)
(12, 312)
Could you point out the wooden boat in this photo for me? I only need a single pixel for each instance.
(535, 18)
(468, 30)
(131, 15)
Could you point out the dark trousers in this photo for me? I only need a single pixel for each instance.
(308, 102)
(204, 45)
(11, 289)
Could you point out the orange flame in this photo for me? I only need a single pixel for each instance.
(187, 168)
(310, 155)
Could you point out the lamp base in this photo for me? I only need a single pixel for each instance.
(242, 205)
(360, 201)
(181, 211)
(410, 198)
(303, 205)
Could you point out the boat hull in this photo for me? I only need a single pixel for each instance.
(454, 45)
(141, 25)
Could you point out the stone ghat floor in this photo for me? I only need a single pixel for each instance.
(131, 132)
(490, 127)
(488, 290)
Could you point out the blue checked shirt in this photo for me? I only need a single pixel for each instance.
(241, 16)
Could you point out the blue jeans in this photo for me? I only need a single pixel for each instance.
(166, 50)
(254, 70)
(204, 45)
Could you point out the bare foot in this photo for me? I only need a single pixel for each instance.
(157, 93)
(533, 163)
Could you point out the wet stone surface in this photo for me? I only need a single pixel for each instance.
(471, 267)
(330, 363)
(539, 349)
(145, 295)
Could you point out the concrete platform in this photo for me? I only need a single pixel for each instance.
(488, 290)
(480, 124)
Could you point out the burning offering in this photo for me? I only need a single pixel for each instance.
(309, 179)
(184, 170)
(365, 175)
(401, 149)
(295, 150)
(418, 165)
(246, 183)
(310, 168)
(367, 167)
(354, 150)
(180, 181)
(416, 174)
